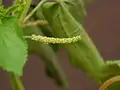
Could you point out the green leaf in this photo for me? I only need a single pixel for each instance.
(79, 7)
(13, 47)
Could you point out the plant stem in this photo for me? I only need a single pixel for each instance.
(110, 82)
(34, 10)
(1, 2)
(16, 82)
(26, 8)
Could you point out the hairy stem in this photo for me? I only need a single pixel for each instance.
(26, 8)
(16, 82)
(34, 10)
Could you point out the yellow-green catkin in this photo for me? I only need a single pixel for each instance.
(47, 40)
(35, 23)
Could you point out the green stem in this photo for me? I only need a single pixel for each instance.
(26, 8)
(16, 82)
(1, 1)
(34, 10)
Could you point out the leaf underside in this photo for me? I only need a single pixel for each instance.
(13, 47)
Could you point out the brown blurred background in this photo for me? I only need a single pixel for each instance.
(103, 25)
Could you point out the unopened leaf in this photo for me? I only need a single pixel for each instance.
(82, 54)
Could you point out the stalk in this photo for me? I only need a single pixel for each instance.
(16, 82)
(34, 10)
(26, 8)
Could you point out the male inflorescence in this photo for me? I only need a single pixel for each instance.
(47, 40)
